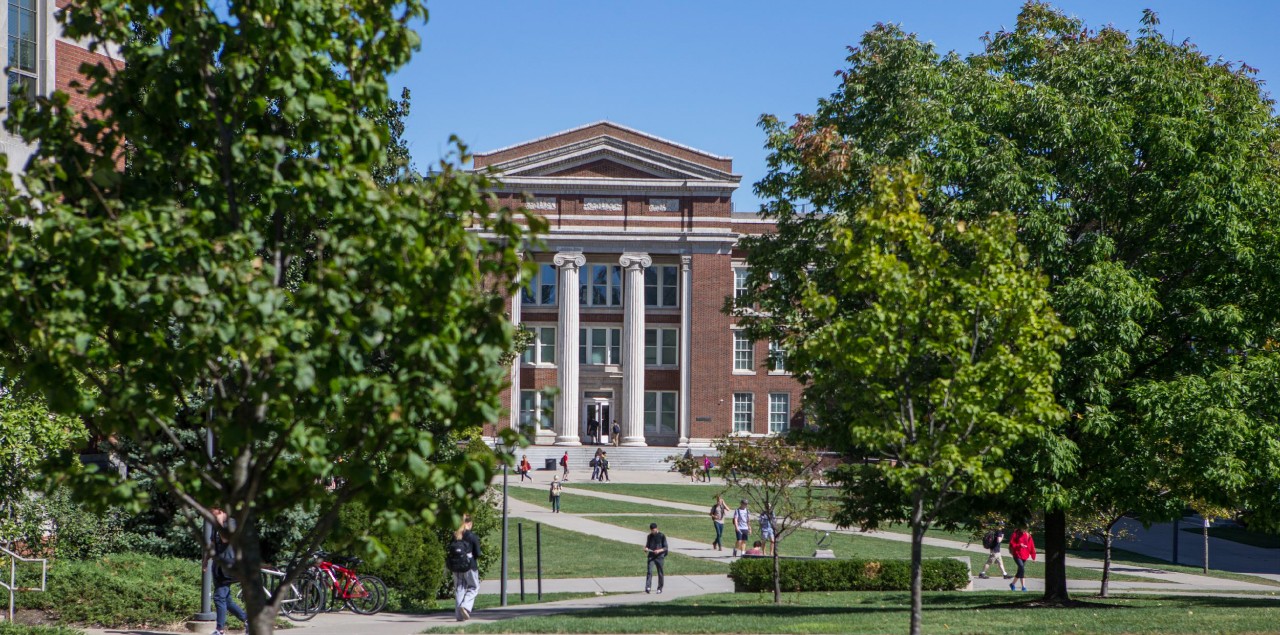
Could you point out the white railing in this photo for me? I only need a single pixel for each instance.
(12, 586)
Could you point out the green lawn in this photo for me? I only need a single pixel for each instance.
(986, 612)
(491, 600)
(579, 504)
(568, 554)
(802, 543)
(693, 494)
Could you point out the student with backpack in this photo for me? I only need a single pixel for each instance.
(564, 464)
(991, 541)
(224, 558)
(462, 558)
(555, 495)
(604, 466)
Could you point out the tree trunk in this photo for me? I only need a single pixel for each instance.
(777, 579)
(1206, 546)
(1106, 563)
(261, 612)
(917, 566)
(1055, 557)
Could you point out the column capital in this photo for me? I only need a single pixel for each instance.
(573, 259)
(634, 259)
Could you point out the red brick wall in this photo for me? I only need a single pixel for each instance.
(69, 59)
(606, 168)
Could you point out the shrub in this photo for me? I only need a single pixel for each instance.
(414, 568)
(756, 574)
(23, 629)
(119, 591)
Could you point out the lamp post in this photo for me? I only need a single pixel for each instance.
(498, 446)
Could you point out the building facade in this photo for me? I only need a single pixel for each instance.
(39, 60)
(627, 303)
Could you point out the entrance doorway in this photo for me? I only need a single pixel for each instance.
(597, 407)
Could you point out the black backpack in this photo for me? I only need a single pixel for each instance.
(989, 540)
(457, 556)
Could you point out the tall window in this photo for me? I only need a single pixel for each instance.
(661, 288)
(22, 49)
(542, 350)
(739, 281)
(744, 354)
(542, 286)
(743, 411)
(777, 357)
(659, 412)
(779, 411)
(600, 285)
(600, 346)
(537, 409)
(660, 346)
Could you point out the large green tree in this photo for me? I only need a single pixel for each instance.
(935, 347)
(224, 245)
(1143, 174)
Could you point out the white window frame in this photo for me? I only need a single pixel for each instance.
(542, 350)
(539, 283)
(655, 280)
(656, 353)
(744, 354)
(779, 412)
(612, 346)
(660, 405)
(777, 359)
(543, 414)
(38, 42)
(740, 274)
(613, 284)
(744, 406)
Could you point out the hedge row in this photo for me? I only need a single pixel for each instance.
(756, 574)
(22, 629)
(119, 591)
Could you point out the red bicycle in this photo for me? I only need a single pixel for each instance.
(363, 594)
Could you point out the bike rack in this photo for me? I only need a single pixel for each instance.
(12, 587)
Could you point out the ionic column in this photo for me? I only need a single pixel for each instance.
(686, 339)
(633, 265)
(566, 422)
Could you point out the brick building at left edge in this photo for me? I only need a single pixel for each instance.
(39, 60)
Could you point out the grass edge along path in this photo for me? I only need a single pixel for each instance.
(881, 612)
(571, 554)
(570, 504)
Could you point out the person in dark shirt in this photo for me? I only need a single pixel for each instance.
(223, 557)
(467, 584)
(655, 546)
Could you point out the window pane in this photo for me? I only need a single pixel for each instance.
(669, 276)
(549, 345)
(650, 346)
(528, 356)
(599, 275)
(670, 337)
(548, 410)
(650, 295)
(599, 296)
(549, 282)
(669, 402)
(669, 297)
(582, 346)
(615, 350)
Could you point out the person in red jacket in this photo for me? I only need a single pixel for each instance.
(1023, 548)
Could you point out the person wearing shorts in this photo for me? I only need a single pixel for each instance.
(741, 526)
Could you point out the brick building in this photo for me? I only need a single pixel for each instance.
(38, 60)
(645, 239)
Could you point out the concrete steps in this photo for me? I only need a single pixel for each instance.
(651, 459)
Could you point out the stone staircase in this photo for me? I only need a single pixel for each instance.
(647, 459)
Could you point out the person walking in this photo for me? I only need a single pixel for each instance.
(992, 541)
(595, 465)
(655, 546)
(741, 527)
(224, 557)
(604, 466)
(766, 529)
(462, 557)
(525, 470)
(718, 510)
(706, 468)
(593, 431)
(555, 494)
(564, 465)
(1022, 547)
(617, 434)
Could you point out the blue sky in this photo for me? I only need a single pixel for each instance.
(702, 72)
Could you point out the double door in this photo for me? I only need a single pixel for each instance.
(598, 409)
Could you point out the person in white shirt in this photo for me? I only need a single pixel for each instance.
(741, 524)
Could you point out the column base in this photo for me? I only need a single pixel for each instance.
(684, 442)
(634, 442)
(568, 441)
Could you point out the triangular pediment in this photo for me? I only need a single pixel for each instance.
(606, 152)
